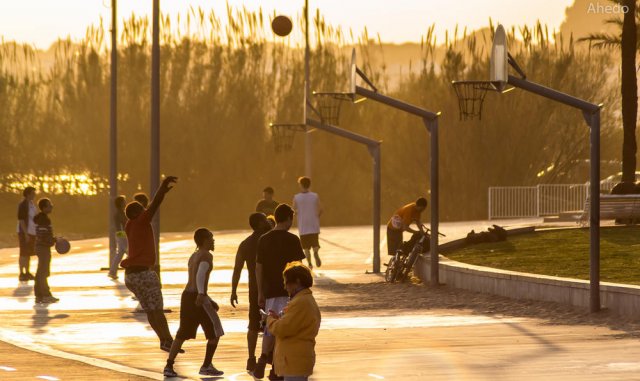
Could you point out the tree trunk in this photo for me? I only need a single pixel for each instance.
(629, 91)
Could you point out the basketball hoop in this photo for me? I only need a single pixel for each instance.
(471, 97)
(328, 106)
(283, 135)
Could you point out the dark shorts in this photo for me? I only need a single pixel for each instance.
(309, 240)
(192, 316)
(145, 285)
(394, 240)
(27, 244)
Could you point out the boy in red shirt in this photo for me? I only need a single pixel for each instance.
(140, 277)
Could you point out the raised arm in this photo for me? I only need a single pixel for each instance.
(165, 187)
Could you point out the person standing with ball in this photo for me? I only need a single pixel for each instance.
(44, 241)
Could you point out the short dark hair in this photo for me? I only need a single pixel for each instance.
(120, 201)
(421, 202)
(268, 190)
(296, 271)
(255, 219)
(142, 198)
(200, 235)
(304, 181)
(283, 212)
(28, 190)
(43, 203)
(133, 209)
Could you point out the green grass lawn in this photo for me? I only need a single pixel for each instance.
(562, 253)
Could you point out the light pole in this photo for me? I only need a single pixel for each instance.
(154, 178)
(307, 91)
(113, 138)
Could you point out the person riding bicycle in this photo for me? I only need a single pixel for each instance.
(401, 221)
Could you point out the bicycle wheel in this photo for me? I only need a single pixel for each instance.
(392, 270)
(407, 267)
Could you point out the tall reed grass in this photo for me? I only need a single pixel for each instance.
(223, 79)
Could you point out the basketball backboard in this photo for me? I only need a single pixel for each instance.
(499, 65)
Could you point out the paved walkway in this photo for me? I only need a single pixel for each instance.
(94, 333)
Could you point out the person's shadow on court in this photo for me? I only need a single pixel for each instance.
(22, 291)
(41, 317)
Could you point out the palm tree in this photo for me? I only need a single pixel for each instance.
(627, 43)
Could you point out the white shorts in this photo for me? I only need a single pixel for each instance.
(276, 304)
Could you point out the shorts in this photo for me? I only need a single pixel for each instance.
(192, 316)
(145, 285)
(276, 304)
(27, 244)
(394, 240)
(309, 240)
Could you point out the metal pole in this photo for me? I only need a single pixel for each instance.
(307, 91)
(594, 226)
(154, 180)
(375, 151)
(377, 176)
(113, 138)
(591, 114)
(432, 126)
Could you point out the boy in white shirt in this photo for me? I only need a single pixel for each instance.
(308, 210)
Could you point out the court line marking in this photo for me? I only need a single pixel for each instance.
(26, 342)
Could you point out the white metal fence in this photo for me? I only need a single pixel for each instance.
(540, 200)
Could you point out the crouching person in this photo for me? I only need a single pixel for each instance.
(297, 327)
(197, 309)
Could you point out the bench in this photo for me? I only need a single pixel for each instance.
(624, 207)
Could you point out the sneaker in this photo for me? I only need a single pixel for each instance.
(49, 299)
(30, 276)
(169, 372)
(318, 261)
(210, 370)
(251, 364)
(165, 345)
(258, 371)
(274, 377)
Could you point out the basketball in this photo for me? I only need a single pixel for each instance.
(281, 25)
(62, 246)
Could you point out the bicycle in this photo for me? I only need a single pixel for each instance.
(401, 264)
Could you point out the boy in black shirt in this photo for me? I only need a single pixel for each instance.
(44, 241)
(275, 249)
(267, 205)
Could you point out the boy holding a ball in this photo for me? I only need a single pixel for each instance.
(44, 241)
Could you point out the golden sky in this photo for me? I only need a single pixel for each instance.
(40, 22)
